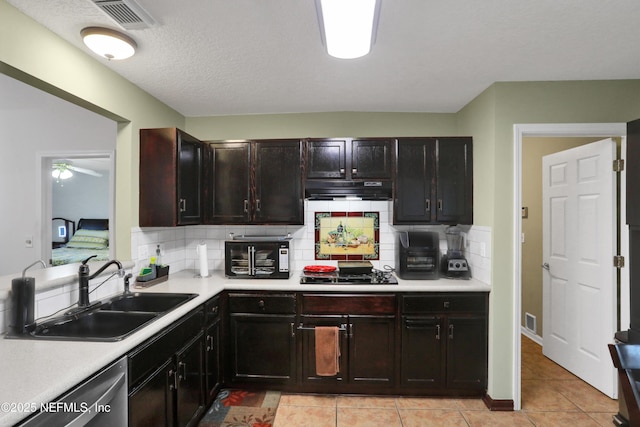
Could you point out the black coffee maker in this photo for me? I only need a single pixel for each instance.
(453, 264)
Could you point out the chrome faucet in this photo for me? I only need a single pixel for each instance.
(84, 277)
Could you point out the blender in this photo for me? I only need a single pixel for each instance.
(454, 265)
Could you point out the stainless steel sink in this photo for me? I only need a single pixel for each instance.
(110, 320)
(147, 302)
(95, 325)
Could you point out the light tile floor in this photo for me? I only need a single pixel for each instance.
(551, 396)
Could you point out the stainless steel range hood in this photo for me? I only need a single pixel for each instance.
(340, 189)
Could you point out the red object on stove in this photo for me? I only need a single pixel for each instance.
(319, 269)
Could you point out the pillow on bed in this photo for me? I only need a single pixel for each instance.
(89, 239)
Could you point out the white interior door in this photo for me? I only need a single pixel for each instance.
(579, 242)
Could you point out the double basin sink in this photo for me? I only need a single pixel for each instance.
(110, 320)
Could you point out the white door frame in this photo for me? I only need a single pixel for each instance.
(541, 130)
(43, 192)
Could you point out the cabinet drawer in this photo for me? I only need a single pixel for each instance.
(262, 303)
(426, 303)
(348, 304)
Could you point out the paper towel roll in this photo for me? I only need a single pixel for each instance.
(201, 249)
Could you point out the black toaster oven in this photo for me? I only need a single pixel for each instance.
(418, 255)
(257, 258)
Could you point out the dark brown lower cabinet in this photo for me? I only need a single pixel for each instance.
(262, 348)
(422, 352)
(390, 343)
(467, 352)
(189, 382)
(151, 403)
(372, 350)
(166, 376)
(261, 342)
(444, 343)
(367, 328)
(212, 349)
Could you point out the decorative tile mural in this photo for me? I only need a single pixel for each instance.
(353, 236)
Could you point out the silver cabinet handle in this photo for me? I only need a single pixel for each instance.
(428, 203)
(183, 366)
(173, 385)
(183, 205)
(258, 205)
(450, 332)
(293, 330)
(437, 332)
(439, 204)
(246, 206)
(545, 266)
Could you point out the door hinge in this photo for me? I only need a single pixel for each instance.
(618, 261)
(618, 165)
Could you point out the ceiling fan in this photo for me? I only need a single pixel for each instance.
(64, 169)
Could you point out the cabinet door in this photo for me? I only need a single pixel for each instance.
(326, 158)
(422, 358)
(371, 158)
(467, 352)
(151, 403)
(262, 348)
(212, 361)
(170, 178)
(414, 181)
(189, 399)
(230, 191)
(371, 349)
(278, 181)
(309, 373)
(454, 181)
(189, 179)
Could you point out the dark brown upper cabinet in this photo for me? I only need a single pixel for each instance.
(171, 177)
(350, 158)
(255, 182)
(434, 181)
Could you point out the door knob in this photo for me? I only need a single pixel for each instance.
(545, 266)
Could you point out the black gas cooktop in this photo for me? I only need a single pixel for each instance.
(376, 277)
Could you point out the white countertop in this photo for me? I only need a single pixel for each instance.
(39, 371)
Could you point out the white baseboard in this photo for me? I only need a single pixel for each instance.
(527, 333)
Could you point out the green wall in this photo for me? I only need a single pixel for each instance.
(490, 119)
(31, 53)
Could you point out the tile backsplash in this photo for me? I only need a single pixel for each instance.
(178, 244)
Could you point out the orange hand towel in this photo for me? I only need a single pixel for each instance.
(327, 350)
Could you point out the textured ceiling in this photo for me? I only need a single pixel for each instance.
(218, 57)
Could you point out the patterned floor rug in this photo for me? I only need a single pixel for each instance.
(242, 408)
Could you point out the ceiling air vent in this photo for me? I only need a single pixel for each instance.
(127, 13)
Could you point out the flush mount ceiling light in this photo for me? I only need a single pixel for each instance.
(61, 171)
(348, 27)
(108, 43)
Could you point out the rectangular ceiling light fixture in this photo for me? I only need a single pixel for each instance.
(348, 27)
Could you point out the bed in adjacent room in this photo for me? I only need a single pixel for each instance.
(90, 238)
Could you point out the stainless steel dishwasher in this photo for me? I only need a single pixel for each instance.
(99, 401)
